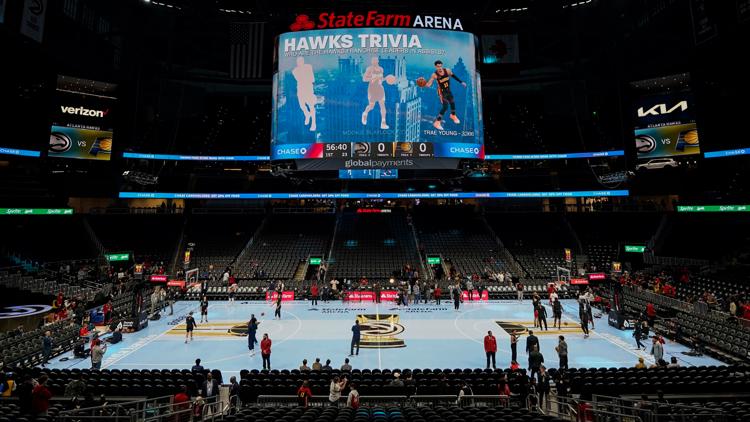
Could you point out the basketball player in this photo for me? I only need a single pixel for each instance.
(232, 292)
(277, 313)
(375, 92)
(204, 308)
(443, 76)
(189, 326)
(252, 329)
(305, 77)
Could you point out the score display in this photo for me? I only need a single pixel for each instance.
(402, 98)
(378, 150)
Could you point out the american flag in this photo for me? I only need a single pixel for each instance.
(246, 49)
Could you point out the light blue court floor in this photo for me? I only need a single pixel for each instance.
(418, 336)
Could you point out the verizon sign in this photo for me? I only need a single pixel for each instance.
(83, 111)
(374, 19)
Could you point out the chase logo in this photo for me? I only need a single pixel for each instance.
(464, 150)
(59, 142)
(291, 151)
(17, 311)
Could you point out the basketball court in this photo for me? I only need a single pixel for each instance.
(418, 336)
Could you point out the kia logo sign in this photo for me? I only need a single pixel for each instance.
(597, 276)
(158, 279)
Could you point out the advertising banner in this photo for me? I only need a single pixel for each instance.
(286, 295)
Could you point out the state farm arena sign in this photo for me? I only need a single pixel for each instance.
(373, 19)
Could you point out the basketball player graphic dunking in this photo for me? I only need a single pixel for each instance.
(375, 92)
(443, 76)
(305, 77)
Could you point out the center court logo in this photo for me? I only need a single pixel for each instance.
(380, 331)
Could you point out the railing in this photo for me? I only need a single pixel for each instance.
(415, 400)
(136, 410)
(674, 261)
(654, 411)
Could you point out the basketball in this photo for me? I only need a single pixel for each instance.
(390, 79)
(421, 82)
(262, 314)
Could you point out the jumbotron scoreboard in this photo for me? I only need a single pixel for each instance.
(398, 98)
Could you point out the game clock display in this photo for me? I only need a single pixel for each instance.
(377, 150)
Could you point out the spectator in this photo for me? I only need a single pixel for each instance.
(531, 342)
(317, 366)
(519, 290)
(304, 394)
(337, 385)
(40, 396)
(673, 363)
(410, 385)
(327, 366)
(304, 366)
(535, 361)
(543, 386)
(116, 337)
(197, 367)
(657, 349)
(234, 392)
(641, 363)
(46, 347)
(353, 399)
(651, 312)
(210, 387)
(24, 392)
(396, 381)
(76, 388)
(181, 403)
(346, 366)
(97, 354)
(562, 352)
(7, 384)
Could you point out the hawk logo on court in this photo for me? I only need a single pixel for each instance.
(380, 331)
(523, 327)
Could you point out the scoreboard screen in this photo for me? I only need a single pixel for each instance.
(401, 98)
